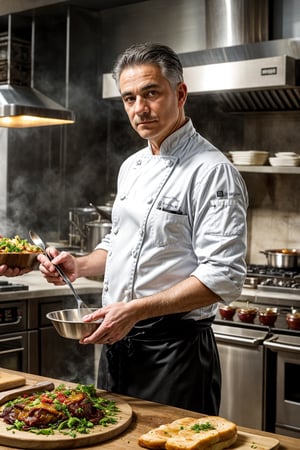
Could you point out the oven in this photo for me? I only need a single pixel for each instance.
(287, 416)
(14, 348)
(261, 363)
(243, 363)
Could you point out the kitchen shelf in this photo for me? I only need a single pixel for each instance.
(269, 169)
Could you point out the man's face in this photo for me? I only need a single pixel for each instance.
(154, 108)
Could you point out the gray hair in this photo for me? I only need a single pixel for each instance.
(150, 53)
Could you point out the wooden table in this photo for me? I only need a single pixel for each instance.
(147, 415)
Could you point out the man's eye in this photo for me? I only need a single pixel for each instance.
(129, 99)
(151, 94)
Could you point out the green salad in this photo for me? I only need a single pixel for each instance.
(17, 245)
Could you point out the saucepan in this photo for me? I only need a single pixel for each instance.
(284, 258)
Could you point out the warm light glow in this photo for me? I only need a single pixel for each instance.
(30, 121)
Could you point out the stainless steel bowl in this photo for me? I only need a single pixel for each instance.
(69, 324)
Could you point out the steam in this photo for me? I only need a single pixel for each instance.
(52, 169)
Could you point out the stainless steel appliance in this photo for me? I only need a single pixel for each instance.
(287, 349)
(261, 363)
(29, 342)
(271, 279)
(14, 352)
(256, 77)
(18, 97)
(243, 361)
(257, 74)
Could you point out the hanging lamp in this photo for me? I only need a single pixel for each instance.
(23, 106)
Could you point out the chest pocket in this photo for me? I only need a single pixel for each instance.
(169, 229)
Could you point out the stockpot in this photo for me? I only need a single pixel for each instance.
(96, 231)
(284, 258)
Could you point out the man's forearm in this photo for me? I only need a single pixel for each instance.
(92, 264)
(185, 296)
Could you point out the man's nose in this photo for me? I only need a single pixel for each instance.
(141, 105)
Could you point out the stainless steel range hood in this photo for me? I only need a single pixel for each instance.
(240, 68)
(23, 107)
(261, 76)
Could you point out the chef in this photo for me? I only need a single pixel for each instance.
(176, 248)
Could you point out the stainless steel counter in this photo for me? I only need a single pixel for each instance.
(38, 287)
(273, 297)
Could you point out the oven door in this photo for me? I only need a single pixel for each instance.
(242, 363)
(287, 348)
(14, 351)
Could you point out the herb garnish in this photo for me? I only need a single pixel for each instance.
(198, 427)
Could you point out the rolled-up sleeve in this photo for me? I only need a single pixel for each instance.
(220, 231)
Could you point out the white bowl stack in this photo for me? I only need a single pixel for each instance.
(287, 159)
(249, 157)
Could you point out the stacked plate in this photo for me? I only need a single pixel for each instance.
(249, 157)
(285, 159)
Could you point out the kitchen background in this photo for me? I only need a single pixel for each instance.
(45, 171)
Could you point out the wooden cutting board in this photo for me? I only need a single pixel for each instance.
(24, 440)
(247, 441)
(10, 381)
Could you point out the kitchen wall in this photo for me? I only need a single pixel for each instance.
(274, 213)
(52, 169)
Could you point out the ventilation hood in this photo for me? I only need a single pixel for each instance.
(23, 107)
(261, 76)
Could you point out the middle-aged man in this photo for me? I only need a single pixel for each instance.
(177, 246)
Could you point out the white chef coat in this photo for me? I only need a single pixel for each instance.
(177, 214)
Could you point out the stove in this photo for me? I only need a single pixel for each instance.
(265, 356)
(269, 287)
(6, 286)
(272, 279)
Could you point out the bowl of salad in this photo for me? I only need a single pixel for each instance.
(17, 252)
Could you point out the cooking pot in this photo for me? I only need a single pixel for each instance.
(96, 230)
(78, 217)
(284, 258)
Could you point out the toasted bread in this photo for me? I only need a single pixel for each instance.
(204, 433)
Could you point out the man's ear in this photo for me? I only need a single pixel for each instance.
(182, 93)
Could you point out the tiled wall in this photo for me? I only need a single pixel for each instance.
(274, 212)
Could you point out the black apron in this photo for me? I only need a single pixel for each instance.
(167, 360)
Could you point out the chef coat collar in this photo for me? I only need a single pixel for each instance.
(176, 141)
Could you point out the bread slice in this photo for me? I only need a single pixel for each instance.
(189, 433)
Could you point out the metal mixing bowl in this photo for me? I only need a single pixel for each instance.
(68, 323)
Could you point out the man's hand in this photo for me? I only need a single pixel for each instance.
(118, 320)
(13, 271)
(64, 259)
